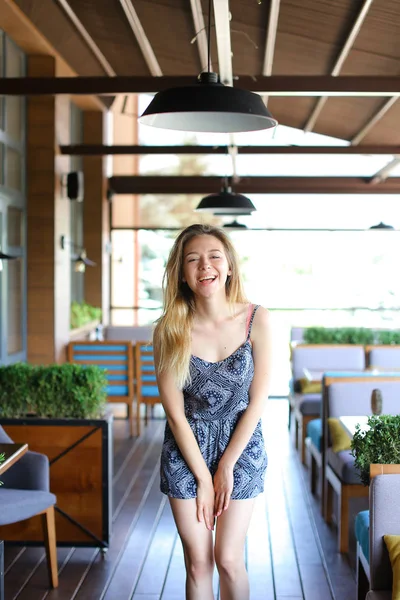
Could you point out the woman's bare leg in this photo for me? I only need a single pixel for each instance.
(197, 544)
(231, 532)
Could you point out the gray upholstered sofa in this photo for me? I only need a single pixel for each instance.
(384, 499)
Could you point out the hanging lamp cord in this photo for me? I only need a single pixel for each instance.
(209, 36)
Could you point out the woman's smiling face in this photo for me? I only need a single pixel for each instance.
(205, 265)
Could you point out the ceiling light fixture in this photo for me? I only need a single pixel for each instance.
(226, 202)
(235, 225)
(382, 226)
(5, 257)
(208, 105)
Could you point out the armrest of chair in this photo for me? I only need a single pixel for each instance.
(31, 472)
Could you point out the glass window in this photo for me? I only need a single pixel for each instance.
(122, 269)
(15, 306)
(14, 117)
(1, 164)
(1, 75)
(13, 177)
(14, 226)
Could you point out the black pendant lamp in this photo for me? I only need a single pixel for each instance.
(382, 226)
(226, 203)
(235, 225)
(208, 105)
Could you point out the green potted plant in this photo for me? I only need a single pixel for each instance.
(338, 335)
(60, 411)
(83, 313)
(378, 443)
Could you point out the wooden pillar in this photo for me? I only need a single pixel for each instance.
(96, 226)
(48, 302)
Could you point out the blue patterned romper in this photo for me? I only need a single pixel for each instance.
(214, 401)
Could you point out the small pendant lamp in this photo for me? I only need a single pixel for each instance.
(226, 203)
(208, 105)
(382, 225)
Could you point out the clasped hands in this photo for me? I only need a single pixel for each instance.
(213, 495)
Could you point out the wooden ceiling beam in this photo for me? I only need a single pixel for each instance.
(77, 23)
(345, 51)
(271, 39)
(384, 173)
(374, 120)
(141, 37)
(223, 35)
(142, 184)
(275, 85)
(200, 33)
(16, 24)
(103, 150)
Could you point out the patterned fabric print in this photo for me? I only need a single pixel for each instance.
(214, 401)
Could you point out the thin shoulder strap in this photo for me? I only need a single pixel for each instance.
(250, 317)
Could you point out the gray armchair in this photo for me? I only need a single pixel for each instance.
(384, 509)
(25, 493)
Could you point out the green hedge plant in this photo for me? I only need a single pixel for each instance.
(378, 444)
(54, 391)
(388, 337)
(83, 313)
(338, 335)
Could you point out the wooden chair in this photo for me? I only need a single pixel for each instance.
(146, 385)
(116, 359)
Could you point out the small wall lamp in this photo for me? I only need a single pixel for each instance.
(5, 257)
(79, 257)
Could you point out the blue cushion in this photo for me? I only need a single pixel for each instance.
(117, 390)
(362, 531)
(314, 431)
(150, 390)
(17, 505)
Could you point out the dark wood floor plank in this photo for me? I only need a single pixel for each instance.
(37, 587)
(258, 555)
(152, 576)
(128, 570)
(21, 571)
(102, 570)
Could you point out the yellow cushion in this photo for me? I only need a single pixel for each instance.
(340, 438)
(310, 387)
(393, 545)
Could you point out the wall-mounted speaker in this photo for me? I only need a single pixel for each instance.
(75, 186)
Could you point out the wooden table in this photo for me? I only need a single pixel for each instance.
(349, 423)
(12, 454)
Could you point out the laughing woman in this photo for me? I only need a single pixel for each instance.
(212, 353)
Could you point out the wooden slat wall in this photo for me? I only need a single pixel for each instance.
(47, 220)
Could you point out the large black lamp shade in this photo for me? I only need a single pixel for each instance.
(226, 203)
(208, 106)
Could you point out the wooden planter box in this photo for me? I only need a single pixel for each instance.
(80, 452)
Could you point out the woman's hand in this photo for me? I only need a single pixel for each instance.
(205, 503)
(223, 486)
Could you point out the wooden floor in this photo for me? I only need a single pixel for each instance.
(290, 552)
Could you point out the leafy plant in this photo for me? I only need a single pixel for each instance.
(57, 391)
(379, 444)
(82, 313)
(338, 335)
(388, 337)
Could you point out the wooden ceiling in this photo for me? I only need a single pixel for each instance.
(268, 37)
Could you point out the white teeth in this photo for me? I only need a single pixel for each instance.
(207, 279)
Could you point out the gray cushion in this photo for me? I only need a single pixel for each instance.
(343, 465)
(330, 357)
(354, 398)
(307, 404)
(378, 595)
(17, 505)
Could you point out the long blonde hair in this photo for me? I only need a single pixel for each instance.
(173, 330)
